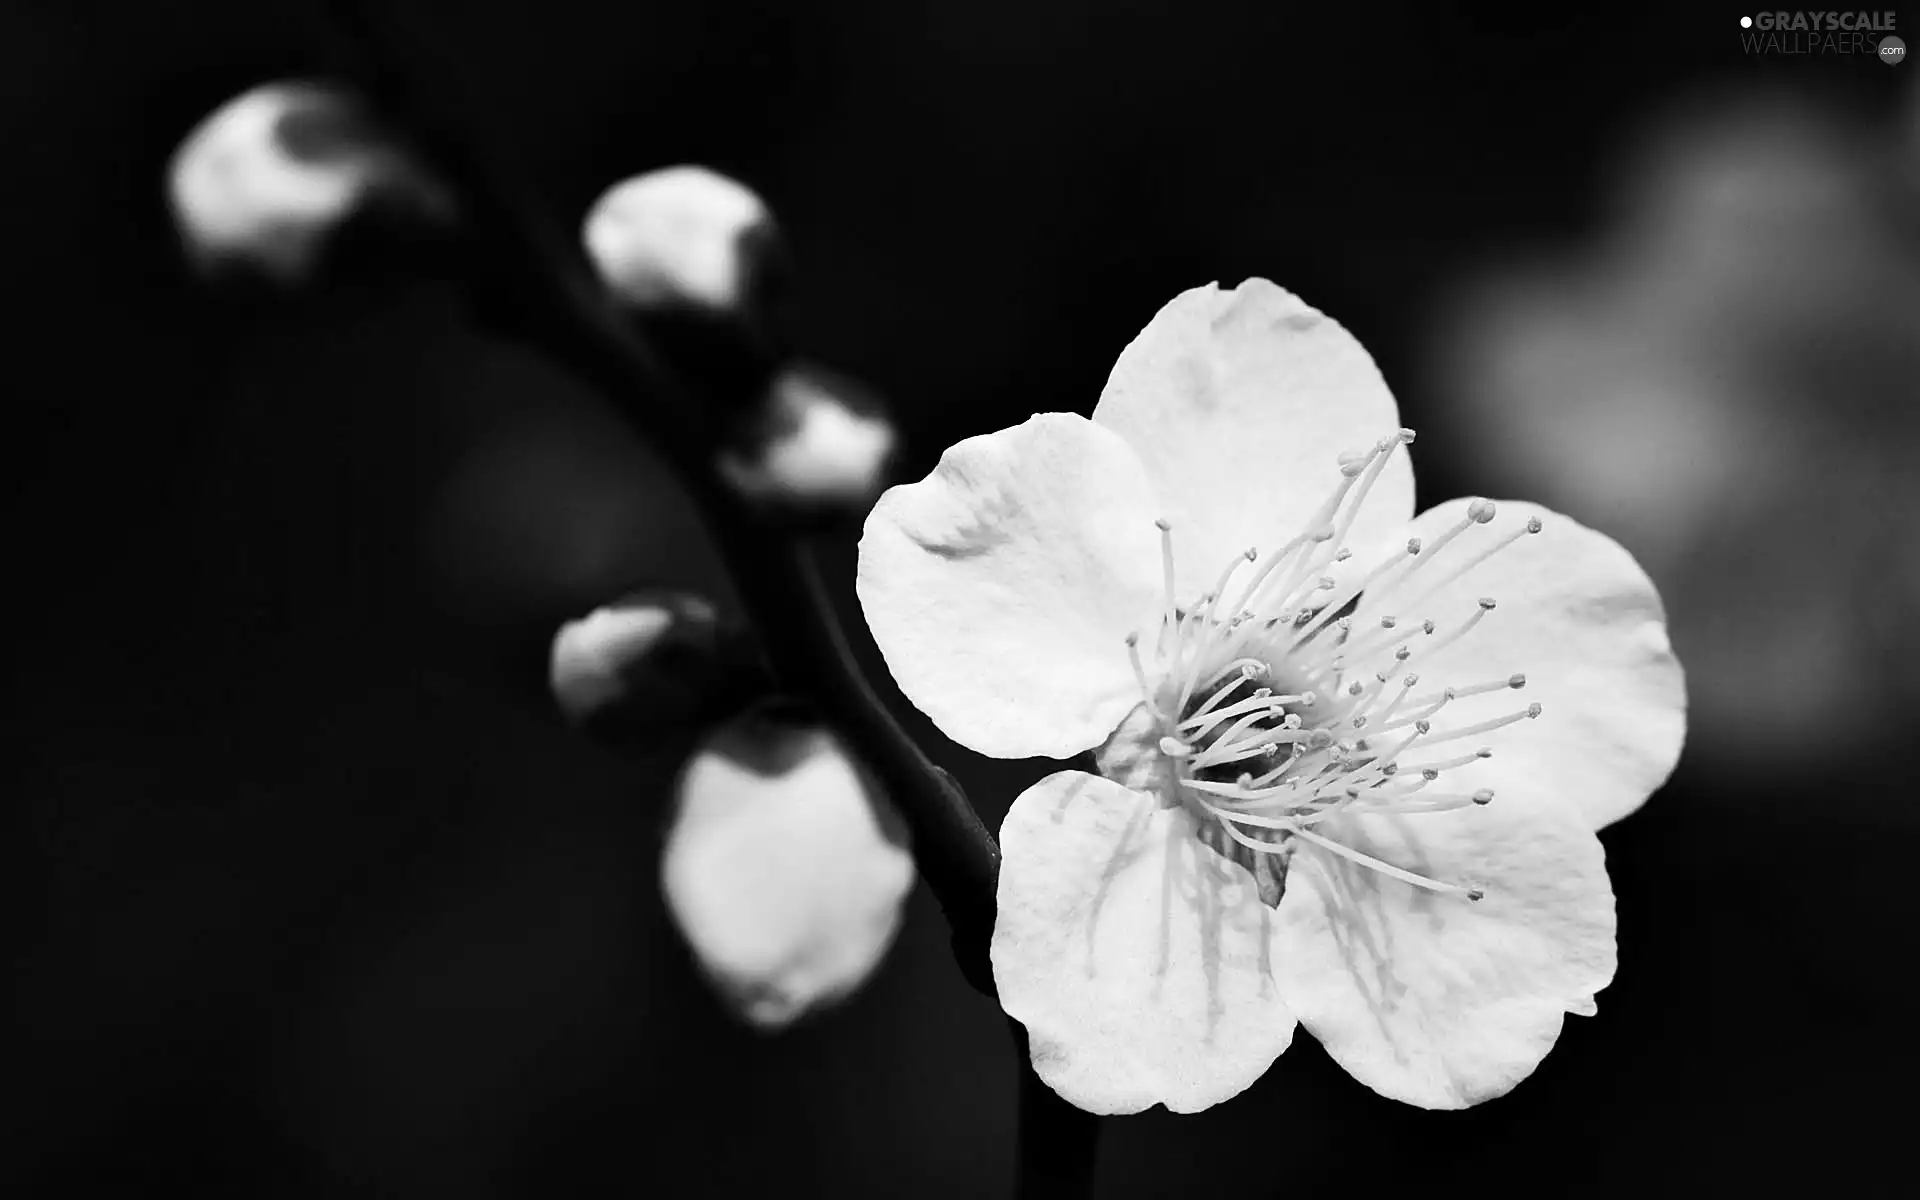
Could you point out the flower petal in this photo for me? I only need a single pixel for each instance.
(1136, 957)
(1239, 403)
(1002, 586)
(1579, 618)
(785, 871)
(1435, 999)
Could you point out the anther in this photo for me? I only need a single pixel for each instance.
(1413, 545)
(1360, 721)
(1429, 774)
(1481, 510)
(1423, 725)
(1487, 602)
(1484, 752)
(1406, 437)
(1476, 894)
(1174, 747)
(1388, 622)
(1162, 525)
(1516, 681)
(1533, 524)
(1483, 796)
(1354, 688)
(1427, 625)
(1533, 710)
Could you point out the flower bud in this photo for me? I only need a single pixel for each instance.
(784, 869)
(683, 237)
(271, 175)
(653, 659)
(815, 444)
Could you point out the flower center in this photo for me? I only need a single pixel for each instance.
(1277, 712)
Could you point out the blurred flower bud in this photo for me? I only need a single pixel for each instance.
(784, 868)
(817, 443)
(266, 180)
(653, 658)
(683, 237)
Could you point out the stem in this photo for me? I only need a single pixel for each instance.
(536, 282)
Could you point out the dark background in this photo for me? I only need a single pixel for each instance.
(316, 899)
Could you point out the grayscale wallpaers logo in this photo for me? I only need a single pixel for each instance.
(1823, 33)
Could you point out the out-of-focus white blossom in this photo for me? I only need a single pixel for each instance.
(1727, 378)
(811, 447)
(268, 176)
(1320, 800)
(680, 237)
(784, 868)
(653, 659)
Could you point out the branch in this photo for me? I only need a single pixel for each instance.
(535, 282)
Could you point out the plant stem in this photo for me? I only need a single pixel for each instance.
(536, 285)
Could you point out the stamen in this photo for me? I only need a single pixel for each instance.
(1429, 650)
(1226, 750)
(1515, 681)
(1263, 700)
(1449, 764)
(1140, 677)
(1375, 462)
(1436, 802)
(1386, 868)
(1478, 513)
(1448, 735)
(1532, 526)
(1166, 572)
(1347, 593)
(1406, 685)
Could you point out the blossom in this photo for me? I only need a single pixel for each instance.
(809, 445)
(783, 868)
(273, 173)
(1351, 762)
(681, 236)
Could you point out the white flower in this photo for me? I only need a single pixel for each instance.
(783, 868)
(1303, 702)
(811, 448)
(247, 188)
(680, 236)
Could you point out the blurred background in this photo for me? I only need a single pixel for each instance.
(314, 897)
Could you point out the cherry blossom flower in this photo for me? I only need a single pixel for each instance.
(784, 868)
(1351, 762)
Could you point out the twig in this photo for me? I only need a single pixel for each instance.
(536, 282)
